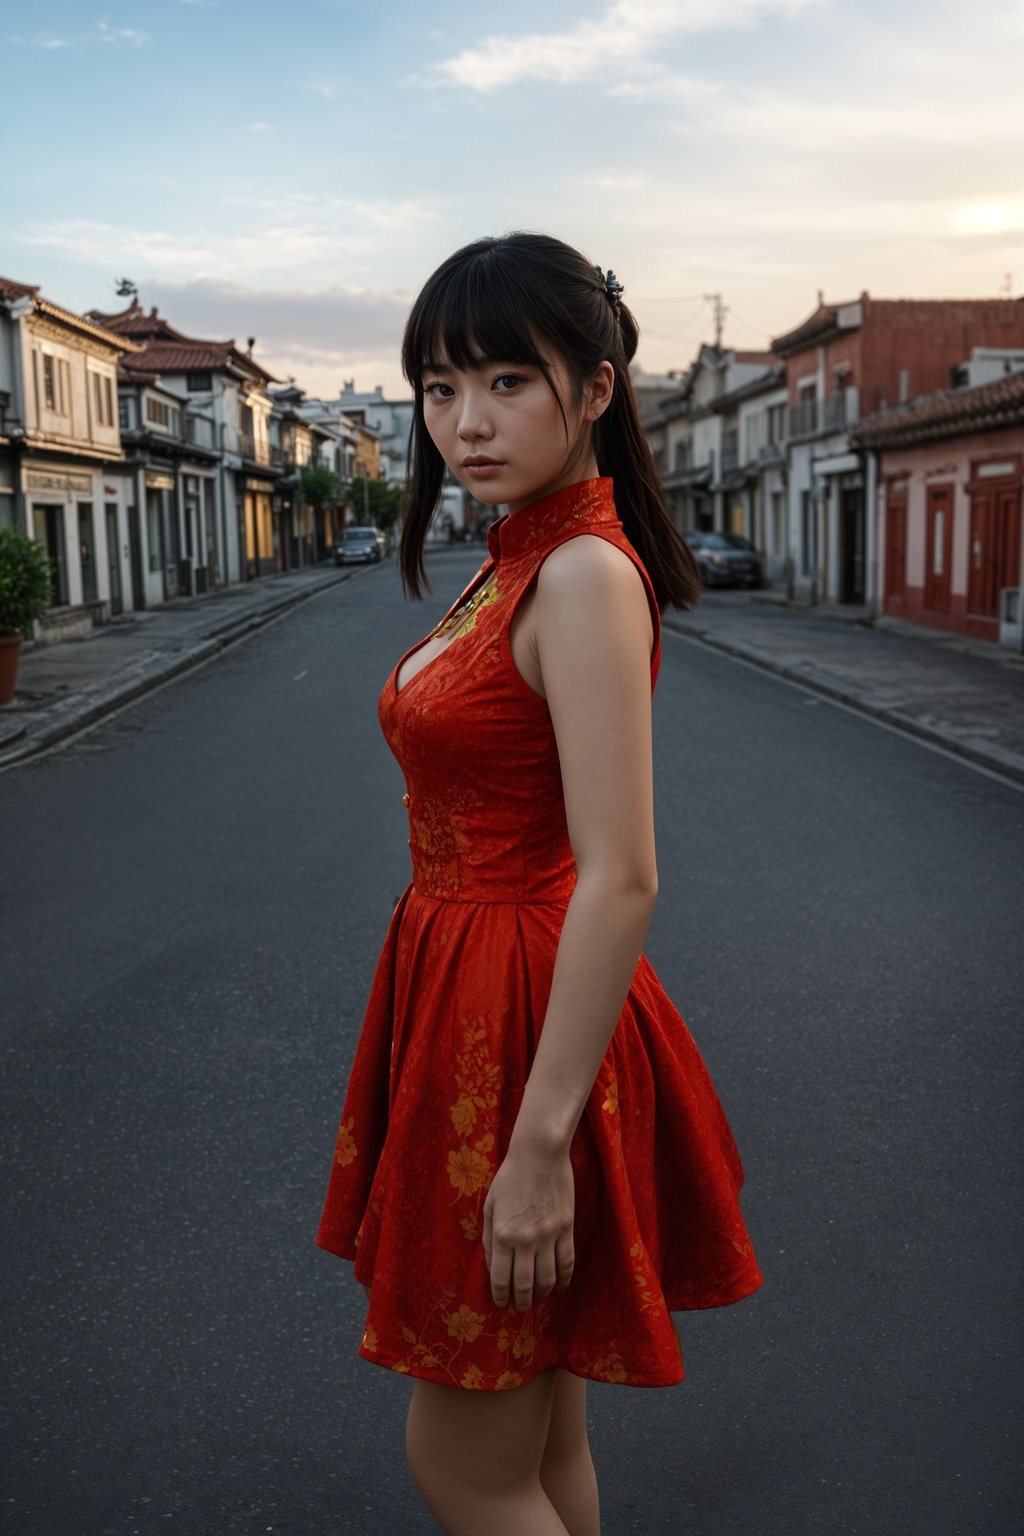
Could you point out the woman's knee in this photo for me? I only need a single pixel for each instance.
(487, 1443)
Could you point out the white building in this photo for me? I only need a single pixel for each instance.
(60, 453)
(227, 385)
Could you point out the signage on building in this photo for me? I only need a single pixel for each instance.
(57, 480)
(155, 482)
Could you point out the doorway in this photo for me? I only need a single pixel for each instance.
(113, 558)
(938, 547)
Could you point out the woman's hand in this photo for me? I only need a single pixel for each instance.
(528, 1222)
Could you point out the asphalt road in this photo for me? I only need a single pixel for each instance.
(194, 899)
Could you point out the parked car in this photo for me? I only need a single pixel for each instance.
(726, 559)
(357, 544)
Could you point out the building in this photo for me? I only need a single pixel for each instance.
(227, 385)
(171, 482)
(391, 420)
(844, 362)
(60, 453)
(949, 471)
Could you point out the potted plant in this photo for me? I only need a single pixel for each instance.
(25, 593)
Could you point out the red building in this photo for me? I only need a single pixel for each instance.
(848, 361)
(950, 471)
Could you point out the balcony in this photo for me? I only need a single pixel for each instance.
(199, 431)
(256, 451)
(841, 410)
(730, 451)
(803, 418)
(771, 453)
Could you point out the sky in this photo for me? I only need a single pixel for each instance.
(295, 172)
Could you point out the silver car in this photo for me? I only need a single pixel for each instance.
(357, 545)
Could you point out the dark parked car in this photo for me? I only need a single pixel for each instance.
(726, 559)
(357, 544)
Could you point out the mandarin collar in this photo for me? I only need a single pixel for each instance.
(517, 533)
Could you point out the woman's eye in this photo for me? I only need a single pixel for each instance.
(434, 390)
(509, 380)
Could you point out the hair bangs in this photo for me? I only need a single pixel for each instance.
(470, 314)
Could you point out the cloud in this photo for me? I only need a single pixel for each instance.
(623, 35)
(317, 336)
(319, 88)
(120, 35)
(104, 33)
(314, 235)
(42, 42)
(260, 128)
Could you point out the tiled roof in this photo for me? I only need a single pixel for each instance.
(10, 291)
(819, 324)
(197, 357)
(953, 413)
(767, 358)
(134, 322)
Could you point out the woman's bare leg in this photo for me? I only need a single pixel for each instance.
(476, 1456)
(567, 1469)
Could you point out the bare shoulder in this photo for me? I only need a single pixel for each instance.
(593, 584)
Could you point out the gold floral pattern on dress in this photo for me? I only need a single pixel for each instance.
(441, 835)
(450, 1327)
(610, 1367)
(345, 1150)
(370, 1340)
(611, 1098)
(473, 1114)
(459, 623)
(651, 1299)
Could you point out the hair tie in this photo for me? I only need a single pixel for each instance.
(612, 287)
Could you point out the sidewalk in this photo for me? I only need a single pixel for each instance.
(961, 694)
(964, 695)
(62, 688)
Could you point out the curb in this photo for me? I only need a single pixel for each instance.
(214, 641)
(1010, 769)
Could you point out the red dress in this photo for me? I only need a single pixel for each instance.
(452, 1022)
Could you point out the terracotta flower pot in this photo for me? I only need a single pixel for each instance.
(10, 651)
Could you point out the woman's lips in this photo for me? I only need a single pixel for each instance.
(483, 471)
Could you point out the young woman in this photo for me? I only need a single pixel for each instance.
(532, 1169)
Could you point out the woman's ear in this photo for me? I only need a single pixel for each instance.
(600, 390)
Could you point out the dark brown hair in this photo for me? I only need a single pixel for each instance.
(506, 297)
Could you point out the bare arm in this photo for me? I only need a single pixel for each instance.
(593, 631)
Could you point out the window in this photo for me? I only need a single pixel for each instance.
(198, 381)
(122, 414)
(56, 384)
(103, 400)
(163, 415)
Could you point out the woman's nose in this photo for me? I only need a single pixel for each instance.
(473, 418)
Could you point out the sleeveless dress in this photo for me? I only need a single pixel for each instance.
(452, 1022)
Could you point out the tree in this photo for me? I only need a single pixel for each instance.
(377, 499)
(319, 487)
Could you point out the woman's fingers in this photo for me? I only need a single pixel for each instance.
(523, 1268)
(565, 1259)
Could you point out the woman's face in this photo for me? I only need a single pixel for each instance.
(500, 431)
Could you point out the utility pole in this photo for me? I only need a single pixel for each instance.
(720, 311)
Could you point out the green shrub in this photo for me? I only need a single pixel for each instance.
(25, 581)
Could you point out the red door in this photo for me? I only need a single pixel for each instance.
(938, 552)
(896, 547)
(994, 559)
